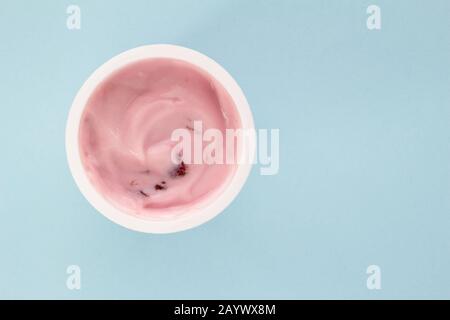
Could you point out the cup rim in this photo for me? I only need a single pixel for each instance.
(193, 216)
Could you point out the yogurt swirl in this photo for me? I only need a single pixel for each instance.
(125, 135)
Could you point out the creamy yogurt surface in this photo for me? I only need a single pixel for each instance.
(125, 135)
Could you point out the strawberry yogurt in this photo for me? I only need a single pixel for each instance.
(125, 132)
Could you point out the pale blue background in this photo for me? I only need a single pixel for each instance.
(365, 152)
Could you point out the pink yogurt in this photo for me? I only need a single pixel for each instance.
(125, 135)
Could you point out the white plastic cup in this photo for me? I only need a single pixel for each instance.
(193, 215)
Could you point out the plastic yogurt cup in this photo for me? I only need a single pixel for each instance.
(120, 146)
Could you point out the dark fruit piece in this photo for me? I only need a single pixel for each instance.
(179, 171)
(143, 193)
(160, 187)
